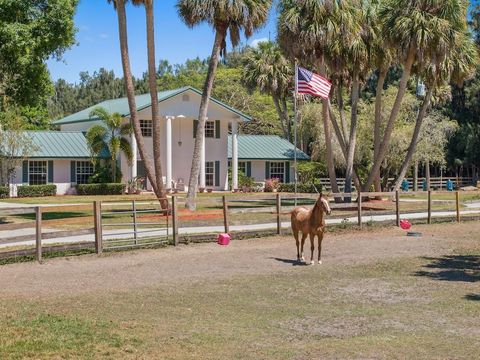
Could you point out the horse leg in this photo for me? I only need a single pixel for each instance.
(295, 235)
(312, 248)
(304, 236)
(320, 239)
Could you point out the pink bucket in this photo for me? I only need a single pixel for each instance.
(223, 239)
(405, 224)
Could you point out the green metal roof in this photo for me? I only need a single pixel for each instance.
(61, 144)
(142, 101)
(265, 147)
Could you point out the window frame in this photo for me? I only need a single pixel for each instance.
(208, 173)
(242, 166)
(44, 165)
(209, 126)
(83, 173)
(274, 170)
(147, 131)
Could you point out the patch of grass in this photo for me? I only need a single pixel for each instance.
(373, 310)
(47, 335)
(45, 255)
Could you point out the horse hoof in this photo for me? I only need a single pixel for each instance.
(312, 263)
(319, 262)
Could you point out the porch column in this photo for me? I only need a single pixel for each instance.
(168, 132)
(234, 156)
(202, 166)
(133, 170)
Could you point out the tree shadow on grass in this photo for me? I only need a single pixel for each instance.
(472, 297)
(464, 268)
(290, 261)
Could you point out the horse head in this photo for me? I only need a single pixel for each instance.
(322, 203)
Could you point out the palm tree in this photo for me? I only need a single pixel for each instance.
(266, 68)
(112, 135)
(306, 30)
(130, 90)
(415, 28)
(224, 16)
(456, 65)
(152, 83)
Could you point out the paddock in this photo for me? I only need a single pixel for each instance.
(377, 295)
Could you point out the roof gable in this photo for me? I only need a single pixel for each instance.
(142, 101)
(265, 147)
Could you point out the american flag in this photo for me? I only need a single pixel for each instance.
(313, 84)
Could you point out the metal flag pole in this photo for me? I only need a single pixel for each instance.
(295, 130)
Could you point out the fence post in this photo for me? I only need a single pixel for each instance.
(38, 233)
(429, 216)
(225, 214)
(279, 209)
(397, 207)
(174, 221)
(359, 209)
(97, 213)
(134, 210)
(457, 201)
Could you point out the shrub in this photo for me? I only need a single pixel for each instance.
(301, 188)
(36, 190)
(271, 185)
(4, 191)
(100, 189)
(310, 171)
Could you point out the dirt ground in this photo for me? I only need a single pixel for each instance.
(377, 295)
(198, 262)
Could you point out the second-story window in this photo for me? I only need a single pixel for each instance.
(146, 127)
(210, 129)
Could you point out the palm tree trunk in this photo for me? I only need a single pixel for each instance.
(130, 90)
(378, 123)
(328, 137)
(427, 173)
(393, 116)
(414, 141)
(343, 146)
(287, 118)
(341, 110)
(113, 164)
(202, 115)
(280, 116)
(329, 148)
(152, 83)
(415, 176)
(353, 135)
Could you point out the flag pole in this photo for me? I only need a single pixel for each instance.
(295, 130)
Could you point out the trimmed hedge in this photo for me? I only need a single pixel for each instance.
(4, 192)
(301, 188)
(100, 189)
(36, 190)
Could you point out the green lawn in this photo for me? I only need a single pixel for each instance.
(384, 310)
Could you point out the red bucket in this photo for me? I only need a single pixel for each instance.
(405, 224)
(223, 239)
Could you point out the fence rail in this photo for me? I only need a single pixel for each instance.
(131, 224)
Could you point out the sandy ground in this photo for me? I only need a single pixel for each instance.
(209, 262)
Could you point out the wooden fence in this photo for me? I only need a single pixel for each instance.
(437, 183)
(169, 224)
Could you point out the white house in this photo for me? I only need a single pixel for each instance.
(63, 156)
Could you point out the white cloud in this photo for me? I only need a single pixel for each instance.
(103, 36)
(255, 42)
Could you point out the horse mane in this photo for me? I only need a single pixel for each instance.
(317, 213)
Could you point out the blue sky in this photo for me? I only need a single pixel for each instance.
(97, 39)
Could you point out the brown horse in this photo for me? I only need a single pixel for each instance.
(310, 222)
